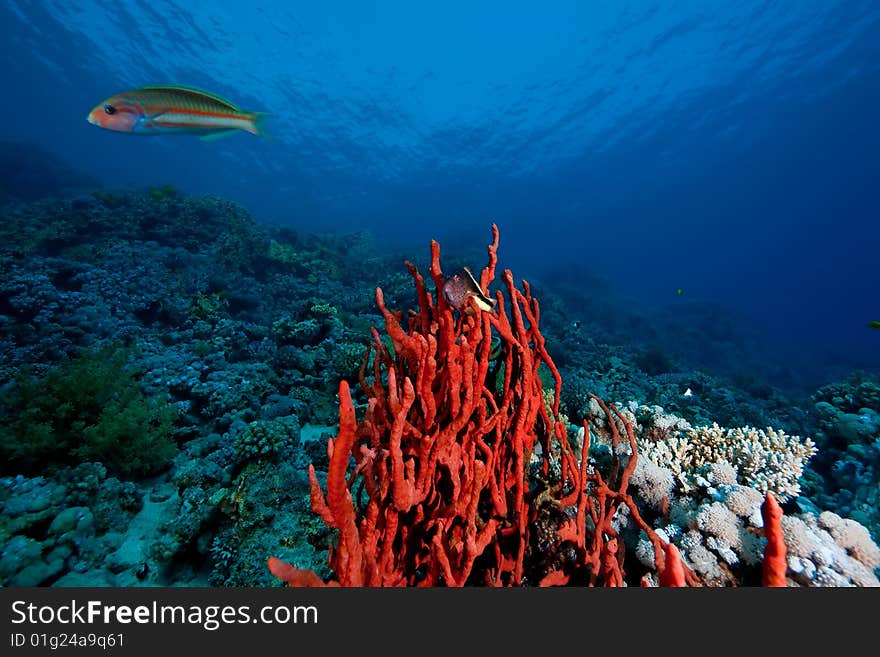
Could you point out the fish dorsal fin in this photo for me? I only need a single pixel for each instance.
(479, 291)
(172, 88)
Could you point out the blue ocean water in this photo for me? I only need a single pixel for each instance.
(695, 181)
(727, 149)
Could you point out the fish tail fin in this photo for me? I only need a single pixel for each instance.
(258, 124)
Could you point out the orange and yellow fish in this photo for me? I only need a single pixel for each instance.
(173, 110)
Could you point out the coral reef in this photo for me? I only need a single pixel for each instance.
(767, 460)
(467, 483)
(61, 528)
(89, 408)
(170, 368)
(846, 473)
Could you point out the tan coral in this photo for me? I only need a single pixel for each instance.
(765, 459)
(852, 537)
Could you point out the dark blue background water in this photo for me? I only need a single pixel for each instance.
(728, 149)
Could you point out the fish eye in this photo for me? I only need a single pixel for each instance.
(109, 109)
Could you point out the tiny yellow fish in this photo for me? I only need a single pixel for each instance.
(173, 110)
(679, 291)
(874, 325)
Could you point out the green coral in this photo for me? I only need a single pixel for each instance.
(88, 408)
(287, 330)
(162, 193)
(283, 253)
(320, 310)
(348, 358)
(207, 306)
(263, 439)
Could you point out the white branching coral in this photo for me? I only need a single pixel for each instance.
(764, 459)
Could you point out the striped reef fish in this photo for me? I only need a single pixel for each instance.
(173, 110)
